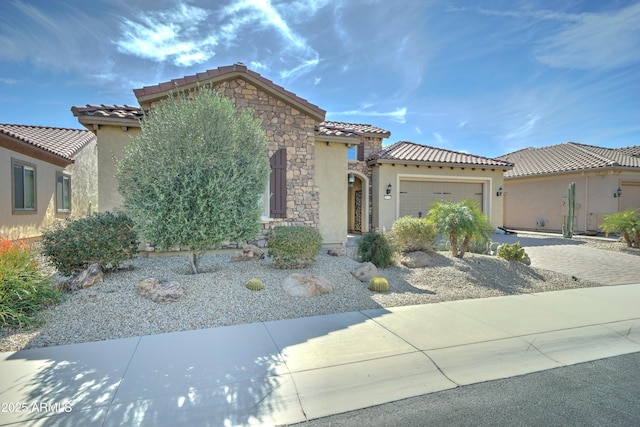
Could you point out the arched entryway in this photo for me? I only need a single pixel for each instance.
(357, 203)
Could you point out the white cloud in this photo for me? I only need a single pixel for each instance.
(8, 81)
(399, 115)
(595, 41)
(525, 128)
(171, 35)
(418, 130)
(439, 138)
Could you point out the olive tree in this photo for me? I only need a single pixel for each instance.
(463, 222)
(194, 176)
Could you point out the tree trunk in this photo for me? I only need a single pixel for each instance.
(194, 261)
(627, 238)
(453, 240)
(465, 245)
(636, 239)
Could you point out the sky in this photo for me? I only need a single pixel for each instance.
(486, 78)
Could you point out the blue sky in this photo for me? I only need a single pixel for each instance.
(487, 79)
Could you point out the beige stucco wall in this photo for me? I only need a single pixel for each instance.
(83, 192)
(111, 141)
(386, 211)
(331, 179)
(529, 202)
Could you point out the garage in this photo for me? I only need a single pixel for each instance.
(630, 195)
(416, 197)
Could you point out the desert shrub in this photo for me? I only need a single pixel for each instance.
(378, 284)
(374, 247)
(103, 238)
(254, 285)
(293, 246)
(24, 289)
(512, 252)
(626, 223)
(413, 234)
(462, 222)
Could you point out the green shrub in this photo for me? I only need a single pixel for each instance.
(378, 284)
(103, 238)
(512, 252)
(254, 285)
(375, 248)
(293, 246)
(24, 290)
(413, 234)
(626, 223)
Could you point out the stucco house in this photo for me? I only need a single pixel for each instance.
(332, 175)
(47, 174)
(535, 190)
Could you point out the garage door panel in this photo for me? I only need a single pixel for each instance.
(416, 197)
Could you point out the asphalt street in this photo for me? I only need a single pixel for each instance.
(605, 392)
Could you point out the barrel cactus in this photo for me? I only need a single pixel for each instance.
(379, 284)
(255, 285)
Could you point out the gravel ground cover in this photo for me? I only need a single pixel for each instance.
(218, 297)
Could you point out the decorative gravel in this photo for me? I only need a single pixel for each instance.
(217, 296)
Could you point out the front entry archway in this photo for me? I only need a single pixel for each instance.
(357, 203)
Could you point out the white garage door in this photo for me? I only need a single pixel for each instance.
(416, 196)
(630, 195)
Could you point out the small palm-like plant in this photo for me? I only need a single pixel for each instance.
(463, 222)
(626, 223)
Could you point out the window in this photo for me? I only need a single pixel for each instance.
(63, 192)
(356, 152)
(24, 187)
(264, 203)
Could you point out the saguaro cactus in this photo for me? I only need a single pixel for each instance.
(567, 229)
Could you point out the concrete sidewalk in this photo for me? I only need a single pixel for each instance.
(289, 371)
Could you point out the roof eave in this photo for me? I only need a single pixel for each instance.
(91, 121)
(146, 100)
(31, 150)
(576, 171)
(437, 164)
(347, 140)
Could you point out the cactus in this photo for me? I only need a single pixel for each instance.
(567, 229)
(254, 285)
(379, 284)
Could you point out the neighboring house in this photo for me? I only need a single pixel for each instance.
(331, 175)
(535, 191)
(47, 174)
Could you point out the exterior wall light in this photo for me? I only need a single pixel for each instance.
(389, 187)
(499, 192)
(352, 179)
(618, 193)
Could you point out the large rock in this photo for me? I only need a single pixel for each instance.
(365, 272)
(417, 259)
(86, 278)
(299, 285)
(160, 292)
(249, 252)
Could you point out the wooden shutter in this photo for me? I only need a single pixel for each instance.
(360, 156)
(278, 184)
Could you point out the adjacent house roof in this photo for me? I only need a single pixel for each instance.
(55, 145)
(149, 94)
(124, 115)
(410, 152)
(569, 157)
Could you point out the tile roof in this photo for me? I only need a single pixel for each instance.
(630, 151)
(62, 142)
(405, 151)
(568, 157)
(109, 111)
(351, 129)
(221, 74)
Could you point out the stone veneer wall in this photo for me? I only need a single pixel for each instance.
(371, 146)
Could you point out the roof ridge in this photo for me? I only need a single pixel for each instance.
(582, 147)
(42, 127)
(449, 151)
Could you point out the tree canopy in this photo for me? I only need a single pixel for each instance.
(194, 176)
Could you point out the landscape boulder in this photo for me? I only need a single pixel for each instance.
(365, 272)
(299, 285)
(249, 252)
(85, 279)
(417, 259)
(158, 291)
